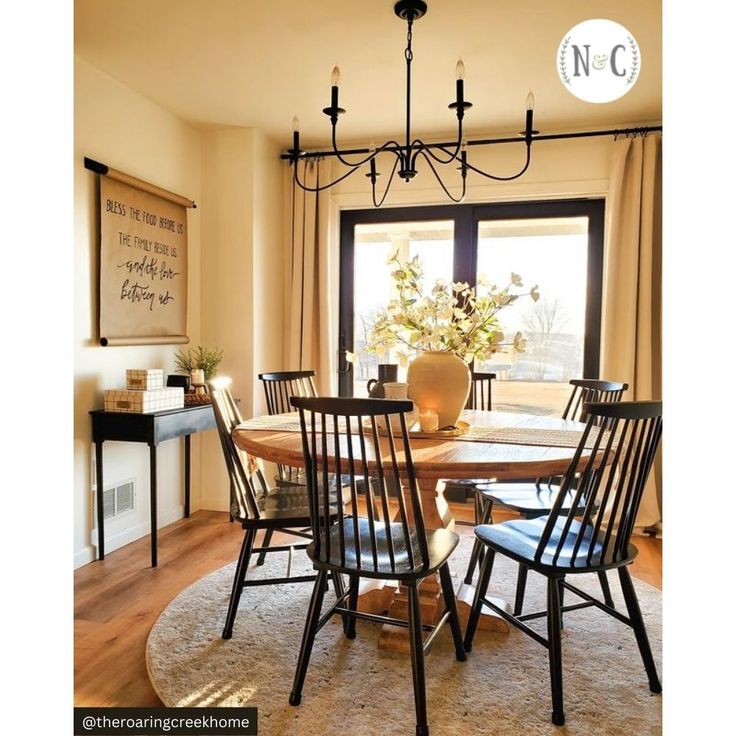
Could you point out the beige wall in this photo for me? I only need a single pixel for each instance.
(119, 127)
(242, 287)
(235, 287)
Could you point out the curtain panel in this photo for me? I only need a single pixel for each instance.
(311, 308)
(631, 336)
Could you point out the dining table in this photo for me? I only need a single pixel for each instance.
(498, 445)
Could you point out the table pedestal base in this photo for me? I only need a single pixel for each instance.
(381, 596)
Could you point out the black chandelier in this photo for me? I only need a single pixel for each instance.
(406, 154)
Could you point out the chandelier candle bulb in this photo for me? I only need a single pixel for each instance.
(295, 128)
(335, 86)
(529, 116)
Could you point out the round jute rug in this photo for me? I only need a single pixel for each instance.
(353, 687)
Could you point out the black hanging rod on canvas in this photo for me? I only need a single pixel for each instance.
(105, 170)
(615, 132)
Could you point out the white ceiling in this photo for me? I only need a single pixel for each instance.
(248, 63)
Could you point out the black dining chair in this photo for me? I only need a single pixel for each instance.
(279, 387)
(536, 498)
(372, 545)
(607, 477)
(481, 391)
(258, 507)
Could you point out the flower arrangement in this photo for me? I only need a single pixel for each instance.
(206, 359)
(455, 318)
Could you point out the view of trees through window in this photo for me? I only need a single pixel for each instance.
(552, 253)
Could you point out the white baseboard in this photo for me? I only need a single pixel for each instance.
(84, 556)
(114, 541)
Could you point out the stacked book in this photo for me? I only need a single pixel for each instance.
(144, 393)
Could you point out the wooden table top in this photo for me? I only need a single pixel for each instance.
(442, 458)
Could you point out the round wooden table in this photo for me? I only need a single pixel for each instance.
(436, 460)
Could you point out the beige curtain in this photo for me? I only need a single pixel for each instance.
(631, 340)
(310, 304)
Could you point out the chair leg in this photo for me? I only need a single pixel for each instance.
(310, 631)
(266, 541)
(562, 601)
(480, 591)
(417, 661)
(243, 561)
(554, 638)
(353, 606)
(632, 605)
(449, 593)
(520, 589)
(339, 591)
(606, 588)
(482, 516)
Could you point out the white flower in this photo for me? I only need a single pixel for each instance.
(515, 279)
(534, 293)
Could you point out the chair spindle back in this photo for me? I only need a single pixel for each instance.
(591, 390)
(282, 385)
(246, 476)
(480, 391)
(608, 480)
(344, 437)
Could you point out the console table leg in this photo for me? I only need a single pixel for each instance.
(187, 473)
(100, 509)
(154, 523)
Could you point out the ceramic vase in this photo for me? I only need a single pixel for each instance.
(439, 380)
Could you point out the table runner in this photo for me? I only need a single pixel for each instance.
(537, 436)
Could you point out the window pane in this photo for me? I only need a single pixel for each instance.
(552, 253)
(372, 286)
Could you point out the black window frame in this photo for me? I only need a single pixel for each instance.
(465, 258)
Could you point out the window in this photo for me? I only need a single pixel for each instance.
(557, 245)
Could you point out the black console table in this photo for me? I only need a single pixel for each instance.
(152, 429)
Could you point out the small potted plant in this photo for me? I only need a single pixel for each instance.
(201, 364)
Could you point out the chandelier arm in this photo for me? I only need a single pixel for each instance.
(322, 188)
(505, 178)
(441, 183)
(438, 159)
(452, 156)
(344, 161)
(388, 185)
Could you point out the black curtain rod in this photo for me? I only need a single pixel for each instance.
(492, 141)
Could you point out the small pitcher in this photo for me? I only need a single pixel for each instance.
(387, 373)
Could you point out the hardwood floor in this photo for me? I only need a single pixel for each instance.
(117, 601)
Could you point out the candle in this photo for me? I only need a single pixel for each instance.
(429, 420)
(197, 376)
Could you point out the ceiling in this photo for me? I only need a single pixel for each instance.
(256, 64)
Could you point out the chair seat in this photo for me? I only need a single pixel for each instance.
(528, 498)
(519, 539)
(441, 543)
(286, 505)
